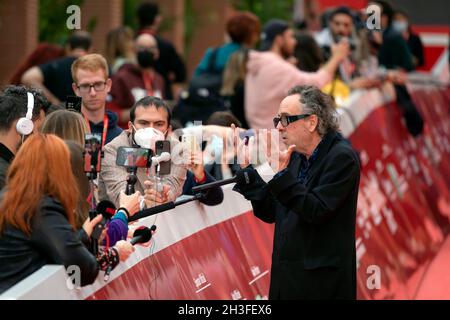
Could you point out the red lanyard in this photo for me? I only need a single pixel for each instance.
(105, 128)
(148, 78)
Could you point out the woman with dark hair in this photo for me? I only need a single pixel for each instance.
(308, 53)
(37, 221)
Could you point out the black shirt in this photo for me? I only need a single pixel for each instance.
(58, 77)
(6, 157)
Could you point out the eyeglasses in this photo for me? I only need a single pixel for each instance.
(286, 120)
(86, 87)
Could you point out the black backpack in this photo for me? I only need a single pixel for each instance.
(203, 95)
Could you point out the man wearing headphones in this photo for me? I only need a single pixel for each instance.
(22, 112)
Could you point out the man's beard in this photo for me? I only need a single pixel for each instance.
(285, 52)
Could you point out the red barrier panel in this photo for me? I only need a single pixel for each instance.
(404, 195)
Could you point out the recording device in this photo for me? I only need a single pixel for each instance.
(242, 177)
(107, 209)
(163, 146)
(92, 153)
(163, 157)
(73, 103)
(142, 234)
(133, 157)
(191, 141)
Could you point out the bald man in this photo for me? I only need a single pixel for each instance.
(132, 82)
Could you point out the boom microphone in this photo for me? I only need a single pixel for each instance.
(243, 177)
(163, 207)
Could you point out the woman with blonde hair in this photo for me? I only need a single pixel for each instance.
(37, 220)
(68, 125)
(120, 47)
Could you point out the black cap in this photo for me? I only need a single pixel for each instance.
(272, 29)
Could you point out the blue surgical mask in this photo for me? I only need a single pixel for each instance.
(400, 26)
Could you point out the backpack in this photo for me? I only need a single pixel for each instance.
(203, 95)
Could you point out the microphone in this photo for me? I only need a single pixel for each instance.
(142, 235)
(163, 157)
(243, 177)
(163, 207)
(107, 209)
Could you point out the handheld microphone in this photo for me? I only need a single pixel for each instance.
(107, 209)
(243, 177)
(142, 235)
(163, 157)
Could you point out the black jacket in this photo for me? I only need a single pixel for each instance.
(314, 254)
(52, 241)
(394, 52)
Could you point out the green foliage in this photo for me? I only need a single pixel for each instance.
(129, 13)
(52, 20)
(267, 9)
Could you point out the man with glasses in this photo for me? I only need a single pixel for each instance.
(91, 82)
(133, 82)
(312, 201)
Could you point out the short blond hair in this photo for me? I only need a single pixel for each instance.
(91, 62)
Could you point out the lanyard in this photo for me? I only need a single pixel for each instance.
(105, 128)
(148, 78)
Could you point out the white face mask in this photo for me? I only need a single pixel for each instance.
(400, 26)
(147, 137)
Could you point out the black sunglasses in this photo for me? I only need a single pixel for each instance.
(286, 120)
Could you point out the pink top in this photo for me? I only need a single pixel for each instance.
(269, 77)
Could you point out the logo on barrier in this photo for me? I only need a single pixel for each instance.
(74, 277)
(73, 22)
(374, 280)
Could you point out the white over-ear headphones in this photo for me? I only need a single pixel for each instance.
(25, 125)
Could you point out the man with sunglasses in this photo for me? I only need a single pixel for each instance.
(312, 201)
(91, 82)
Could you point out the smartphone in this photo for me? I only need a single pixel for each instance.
(191, 142)
(163, 146)
(73, 103)
(92, 152)
(133, 157)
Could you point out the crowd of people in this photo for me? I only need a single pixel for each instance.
(131, 97)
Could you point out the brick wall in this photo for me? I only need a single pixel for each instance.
(19, 33)
(107, 15)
